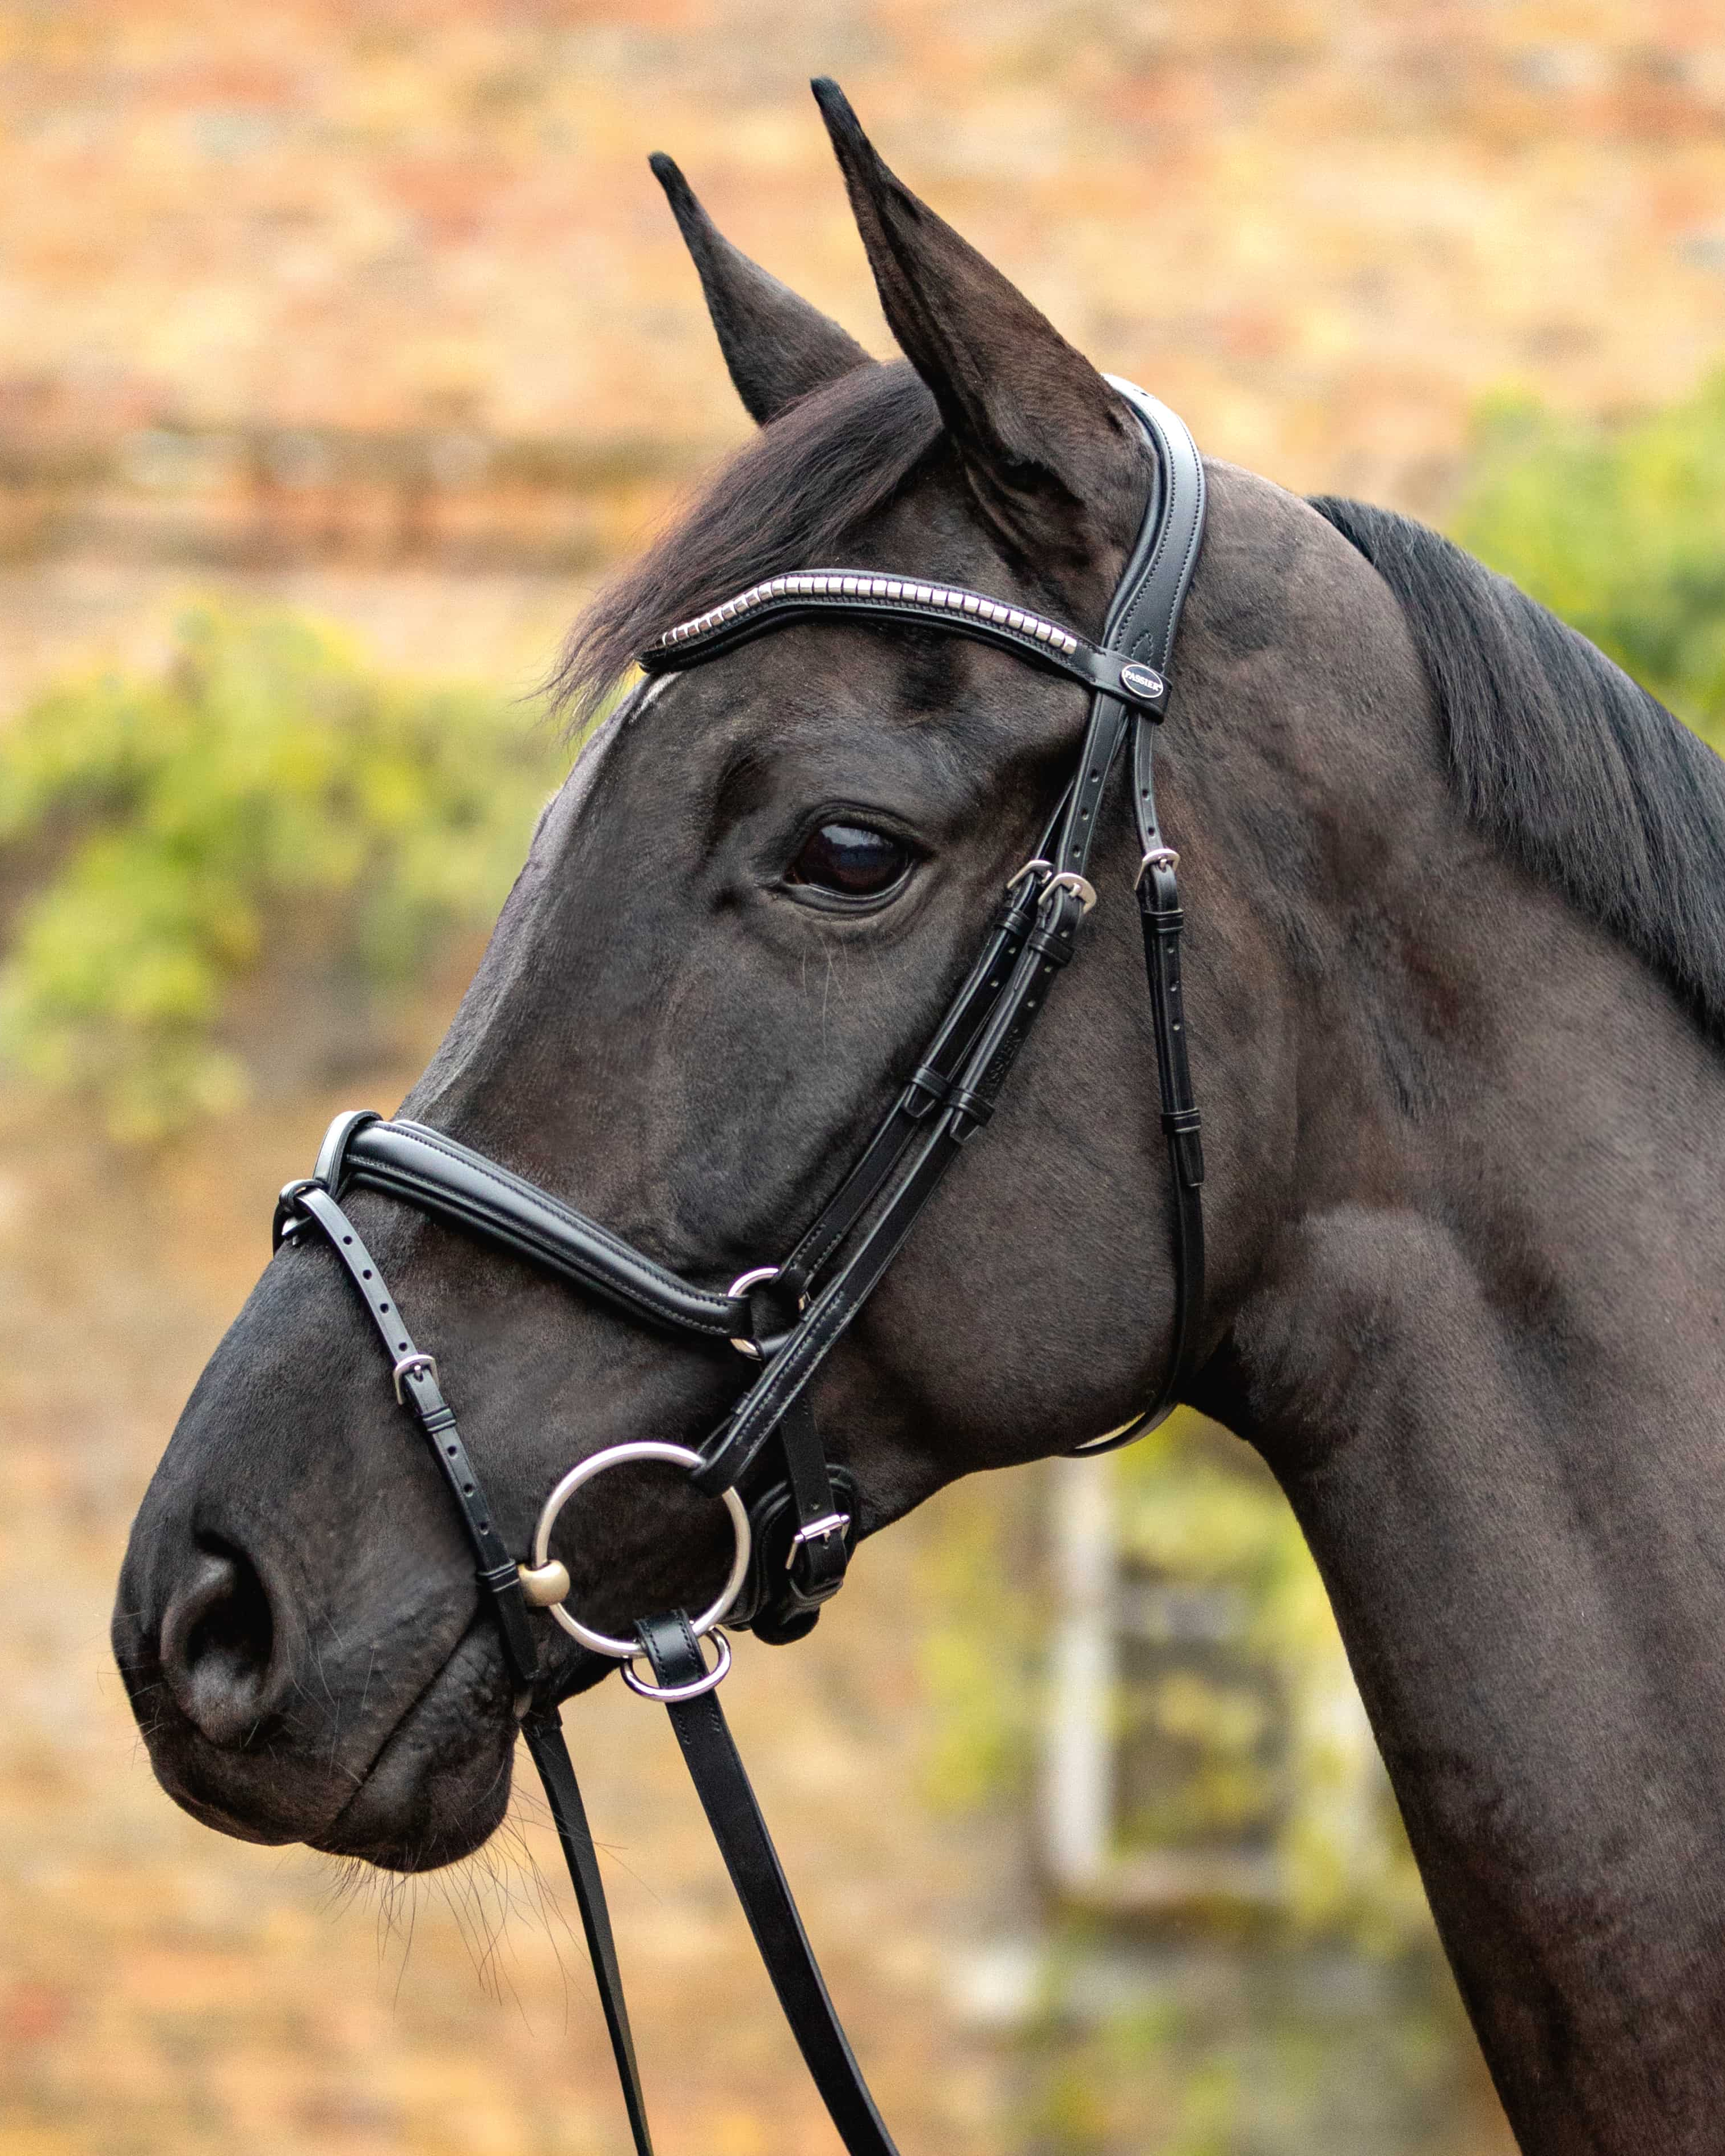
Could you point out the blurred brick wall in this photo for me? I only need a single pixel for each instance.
(1320, 230)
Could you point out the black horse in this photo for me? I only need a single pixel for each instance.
(1456, 987)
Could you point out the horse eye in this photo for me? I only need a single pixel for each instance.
(850, 859)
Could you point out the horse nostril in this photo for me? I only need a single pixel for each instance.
(216, 1643)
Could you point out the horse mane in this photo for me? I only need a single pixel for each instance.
(790, 498)
(1571, 766)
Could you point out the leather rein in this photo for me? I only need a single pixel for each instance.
(794, 1524)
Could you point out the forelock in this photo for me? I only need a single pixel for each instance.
(806, 482)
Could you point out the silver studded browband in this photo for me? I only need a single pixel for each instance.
(857, 594)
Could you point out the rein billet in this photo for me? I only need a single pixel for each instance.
(794, 1527)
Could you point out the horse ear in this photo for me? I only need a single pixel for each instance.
(776, 346)
(1053, 455)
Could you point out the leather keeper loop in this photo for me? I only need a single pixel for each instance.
(332, 1168)
(927, 1089)
(289, 1217)
(803, 1522)
(969, 1108)
(1053, 944)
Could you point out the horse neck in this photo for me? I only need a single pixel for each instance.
(1482, 1351)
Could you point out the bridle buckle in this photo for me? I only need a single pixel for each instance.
(1035, 868)
(1158, 857)
(1080, 887)
(408, 1366)
(817, 1531)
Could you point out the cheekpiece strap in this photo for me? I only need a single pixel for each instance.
(414, 1375)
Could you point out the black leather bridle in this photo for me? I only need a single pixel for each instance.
(793, 1517)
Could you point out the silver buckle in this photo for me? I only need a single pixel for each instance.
(1037, 867)
(406, 1368)
(817, 1531)
(1082, 890)
(1158, 857)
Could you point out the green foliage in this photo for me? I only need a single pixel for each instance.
(1196, 1506)
(1301, 2051)
(268, 795)
(1620, 530)
(977, 1654)
(1262, 1741)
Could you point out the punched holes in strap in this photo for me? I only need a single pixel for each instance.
(930, 1086)
(728, 1453)
(416, 1384)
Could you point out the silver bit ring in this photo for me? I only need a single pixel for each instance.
(619, 1455)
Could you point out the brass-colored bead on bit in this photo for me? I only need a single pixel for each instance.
(542, 1584)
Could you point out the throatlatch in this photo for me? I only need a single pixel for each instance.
(794, 1517)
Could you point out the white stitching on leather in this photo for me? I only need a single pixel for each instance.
(436, 1143)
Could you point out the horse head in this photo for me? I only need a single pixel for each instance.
(753, 896)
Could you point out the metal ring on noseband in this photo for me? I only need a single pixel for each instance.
(619, 1455)
(671, 1695)
(741, 1285)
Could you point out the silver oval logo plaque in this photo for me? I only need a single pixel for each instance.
(1142, 680)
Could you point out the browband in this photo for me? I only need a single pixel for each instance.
(861, 595)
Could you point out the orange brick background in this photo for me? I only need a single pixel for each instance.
(1323, 232)
(1320, 230)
